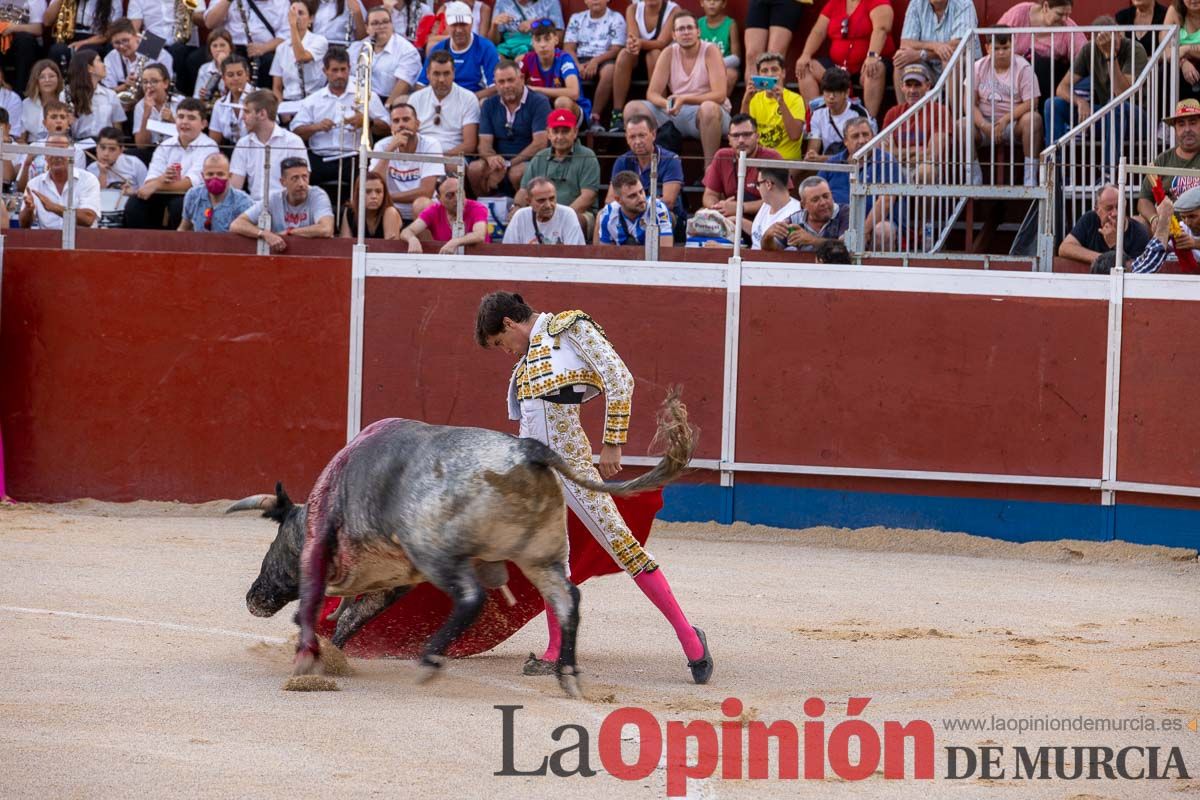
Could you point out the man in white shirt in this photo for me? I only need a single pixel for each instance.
(331, 125)
(410, 183)
(298, 210)
(258, 119)
(177, 166)
(448, 112)
(46, 195)
(121, 63)
(158, 17)
(112, 167)
(257, 28)
(544, 220)
(395, 64)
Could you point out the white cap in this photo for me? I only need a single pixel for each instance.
(457, 12)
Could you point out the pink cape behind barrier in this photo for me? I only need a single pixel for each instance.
(402, 630)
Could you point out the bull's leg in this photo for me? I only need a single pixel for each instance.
(563, 597)
(462, 584)
(314, 566)
(358, 613)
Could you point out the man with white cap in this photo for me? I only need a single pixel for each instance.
(475, 57)
(1184, 155)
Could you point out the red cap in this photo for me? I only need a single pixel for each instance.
(562, 118)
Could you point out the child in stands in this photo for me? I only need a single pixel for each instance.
(553, 72)
(719, 28)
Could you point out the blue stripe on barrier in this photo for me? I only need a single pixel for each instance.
(1011, 520)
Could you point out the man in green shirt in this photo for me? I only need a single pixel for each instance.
(1184, 155)
(573, 168)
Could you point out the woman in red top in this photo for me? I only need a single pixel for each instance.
(860, 41)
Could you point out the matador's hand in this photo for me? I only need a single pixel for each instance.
(610, 461)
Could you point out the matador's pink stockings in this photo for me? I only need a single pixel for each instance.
(654, 585)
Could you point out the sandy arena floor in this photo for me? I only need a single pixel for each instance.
(132, 668)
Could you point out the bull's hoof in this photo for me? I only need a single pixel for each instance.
(568, 679)
(702, 667)
(429, 668)
(307, 661)
(538, 666)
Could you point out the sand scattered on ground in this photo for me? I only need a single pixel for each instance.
(310, 683)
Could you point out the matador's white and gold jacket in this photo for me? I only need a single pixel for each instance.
(568, 352)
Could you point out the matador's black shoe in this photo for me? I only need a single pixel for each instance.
(702, 667)
(538, 666)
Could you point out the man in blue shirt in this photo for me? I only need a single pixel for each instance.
(623, 221)
(213, 205)
(475, 57)
(639, 135)
(512, 129)
(885, 215)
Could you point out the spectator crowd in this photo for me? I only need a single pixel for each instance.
(172, 130)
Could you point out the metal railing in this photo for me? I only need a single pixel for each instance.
(1125, 189)
(365, 156)
(934, 158)
(921, 163)
(778, 163)
(1128, 126)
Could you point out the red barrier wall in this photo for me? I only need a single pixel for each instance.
(896, 380)
(170, 376)
(1158, 426)
(422, 360)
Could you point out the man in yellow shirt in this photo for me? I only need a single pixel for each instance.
(779, 113)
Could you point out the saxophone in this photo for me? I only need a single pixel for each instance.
(133, 91)
(183, 18)
(64, 23)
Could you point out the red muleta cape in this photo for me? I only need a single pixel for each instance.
(402, 630)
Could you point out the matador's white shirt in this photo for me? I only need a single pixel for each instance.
(568, 352)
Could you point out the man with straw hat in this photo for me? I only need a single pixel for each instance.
(1184, 155)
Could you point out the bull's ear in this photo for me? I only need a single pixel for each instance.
(282, 501)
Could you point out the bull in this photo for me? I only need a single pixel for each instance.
(407, 502)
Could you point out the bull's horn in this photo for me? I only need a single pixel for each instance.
(256, 502)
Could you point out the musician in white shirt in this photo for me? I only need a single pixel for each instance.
(159, 17)
(296, 69)
(24, 46)
(95, 105)
(341, 22)
(157, 104)
(226, 122)
(124, 61)
(395, 64)
(177, 166)
(331, 124)
(92, 18)
(113, 167)
(246, 166)
(257, 27)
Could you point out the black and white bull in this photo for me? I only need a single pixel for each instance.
(406, 502)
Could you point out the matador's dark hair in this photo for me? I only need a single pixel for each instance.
(493, 308)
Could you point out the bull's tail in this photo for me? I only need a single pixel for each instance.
(673, 429)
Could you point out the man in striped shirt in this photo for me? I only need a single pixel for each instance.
(932, 30)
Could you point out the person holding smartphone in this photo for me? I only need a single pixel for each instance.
(779, 113)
